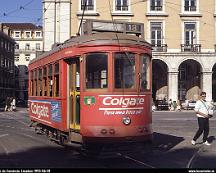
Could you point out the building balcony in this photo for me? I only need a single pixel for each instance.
(159, 48)
(191, 47)
(25, 50)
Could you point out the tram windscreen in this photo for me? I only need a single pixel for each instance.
(96, 71)
(124, 64)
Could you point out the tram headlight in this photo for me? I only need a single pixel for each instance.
(126, 120)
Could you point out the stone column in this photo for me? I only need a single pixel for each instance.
(49, 22)
(173, 85)
(207, 84)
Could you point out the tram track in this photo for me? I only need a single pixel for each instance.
(16, 119)
(195, 157)
(16, 131)
(35, 138)
(135, 160)
(2, 145)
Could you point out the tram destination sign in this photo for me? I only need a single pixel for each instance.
(104, 26)
(92, 26)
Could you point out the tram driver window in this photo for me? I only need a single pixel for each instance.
(31, 83)
(124, 70)
(50, 80)
(56, 80)
(44, 81)
(39, 93)
(35, 82)
(145, 72)
(96, 70)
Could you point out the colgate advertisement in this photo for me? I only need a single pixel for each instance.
(122, 104)
(40, 111)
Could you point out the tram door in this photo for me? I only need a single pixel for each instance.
(75, 94)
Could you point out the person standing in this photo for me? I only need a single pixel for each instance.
(170, 104)
(174, 105)
(13, 104)
(178, 105)
(201, 109)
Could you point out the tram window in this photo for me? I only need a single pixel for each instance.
(78, 77)
(44, 81)
(35, 82)
(31, 83)
(39, 93)
(96, 71)
(145, 72)
(50, 81)
(56, 80)
(124, 68)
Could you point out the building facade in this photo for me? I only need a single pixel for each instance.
(29, 41)
(182, 33)
(7, 71)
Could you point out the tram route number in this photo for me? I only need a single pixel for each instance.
(25, 170)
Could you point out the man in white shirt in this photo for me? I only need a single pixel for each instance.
(201, 109)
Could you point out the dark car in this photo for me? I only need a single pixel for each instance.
(161, 105)
(21, 103)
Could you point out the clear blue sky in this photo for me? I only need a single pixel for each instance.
(21, 11)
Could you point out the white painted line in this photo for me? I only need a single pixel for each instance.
(3, 135)
(136, 108)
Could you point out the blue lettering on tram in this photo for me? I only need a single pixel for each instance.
(56, 111)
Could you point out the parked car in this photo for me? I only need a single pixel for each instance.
(21, 102)
(161, 105)
(188, 104)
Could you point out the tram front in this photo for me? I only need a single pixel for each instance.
(115, 95)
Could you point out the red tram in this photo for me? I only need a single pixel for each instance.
(93, 89)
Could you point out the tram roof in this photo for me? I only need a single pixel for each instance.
(106, 38)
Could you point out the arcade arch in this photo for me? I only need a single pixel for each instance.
(159, 80)
(189, 80)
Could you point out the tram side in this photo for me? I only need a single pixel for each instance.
(93, 89)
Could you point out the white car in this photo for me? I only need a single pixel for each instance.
(188, 104)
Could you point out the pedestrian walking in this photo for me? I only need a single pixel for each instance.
(178, 105)
(13, 104)
(202, 113)
(174, 105)
(170, 104)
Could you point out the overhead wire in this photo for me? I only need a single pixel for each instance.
(102, 10)
(126, 53)
(20, 8)
(81, 22)
(23, 7)
(137, 2)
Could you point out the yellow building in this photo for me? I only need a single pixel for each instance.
(182, 33)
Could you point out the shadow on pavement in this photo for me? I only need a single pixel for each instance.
(211, 139)
(165, 142)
